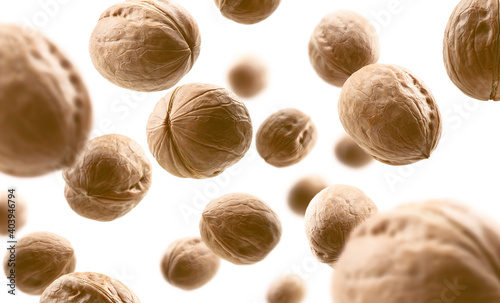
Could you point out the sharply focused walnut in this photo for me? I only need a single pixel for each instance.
(189, 264)
(12, 214)
(303, 192)
(287, 289)
(342, 43)
(248, 77)
(39, 258)
(471, 43)
(240, 228)
(247, 11)
(145, 45)
(286, 137)
(45, 115)
(331, 216)
(88, 287)
(109, 179)
(391, 114)
(349, 153)
(430, 252)
(199, 130)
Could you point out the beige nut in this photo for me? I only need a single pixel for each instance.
(330, 218)
(286, 137)
(287, 289)
(39, 259)
(199, 130)
(189, 264)
(88, 287)
(240, 228)
(430, 252)
(303, 191)
(45, 114)
(342, 43)
(109, 179)
(470, 48)
(391, 114)
(248, 77)
(247, 11)
(145, 45)
(349, 153)
(13, 213)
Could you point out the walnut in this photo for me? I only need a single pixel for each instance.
(303, 191)
(286, 289)
(349, 153)
(248, 77)
(247, 11)
(16, 213)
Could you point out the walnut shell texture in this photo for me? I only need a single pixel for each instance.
(391, 114)
(342, 43)
(88, 287)
(349, 153)
(247, 11)
(436, 251)
(286, 289)
(286, 137)
(145, 45)
(470, 48)
(110, 178)
(240, 228)
(330, 218)
(248, 77)
(41, 258)
(199, 130)
(20, 212)
(45, 105)
(303, 191)
(189, 264)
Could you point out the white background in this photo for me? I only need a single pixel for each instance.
(464, 167)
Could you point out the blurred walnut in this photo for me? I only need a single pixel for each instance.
(145, 45)
(349, 153)
(286, 289)
(17, 213)
(247, 11)
(303, 191)
(390, 114)
(109, 179)
(248, 77)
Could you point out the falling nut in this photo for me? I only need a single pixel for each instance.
(248, 77)
(247, 12)
(286, 289)
(303, 191)
(13, 213)
(349, 153)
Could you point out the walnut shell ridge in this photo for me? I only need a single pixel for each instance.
(247, 11)
(391, 114)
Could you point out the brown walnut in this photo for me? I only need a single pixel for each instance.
(247, 11)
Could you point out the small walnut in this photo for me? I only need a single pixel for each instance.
(471, 47)
(390, 114)
(199, 130)
(247, 11)
(145, 45)
(45, 115)
(303, 191)
(430, 252)
(88, 287)
(287, 289)
(286, 137)
(189, 264)
(240, 228)
(40, 258)
(342, 43)
(15, 210)
(110, 178)
(349, 153)
(331, 216)
(248, 77)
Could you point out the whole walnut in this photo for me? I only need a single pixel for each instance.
(430, 252)
(247, 11)
(330, 218)
(88, 287)
(287, 289)
(471, 46)
(342, 43)
(240, 228)
(45, 114)
(391, 114)
(248, 77)
(349, 153)
(286, 137)
(303, 191)
(109, 179)
(189, 264)
(198, 130)
(38, 259)
(13, 213)
(145, 45)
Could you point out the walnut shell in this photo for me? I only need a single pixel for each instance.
(46, 112)
(189, 264)
(342, 43)
(88, 287)
(391, 114)
(286, 137)
(110, 178)
(145, 45)
(19, 212)
(287, 289)
(349, 153)
(330, 218)
(247, 11)
(40, 258)
(199, 130)
(471, 47)
(435, 251)
(240, 228)
(248, 77)
(303, 191)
